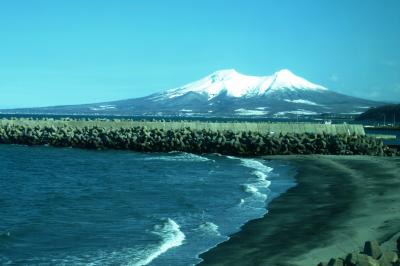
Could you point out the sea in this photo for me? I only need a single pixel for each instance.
(64, 206)
(393, 132)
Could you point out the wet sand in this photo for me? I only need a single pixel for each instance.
(338, 204)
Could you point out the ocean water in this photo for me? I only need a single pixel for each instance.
(392, 132)
(62, 206)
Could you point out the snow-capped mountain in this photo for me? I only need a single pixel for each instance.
(229, 93)
(234, 84)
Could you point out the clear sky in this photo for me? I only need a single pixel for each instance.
(80, 51)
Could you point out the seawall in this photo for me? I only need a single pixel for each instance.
(236, 127)
(242, 139)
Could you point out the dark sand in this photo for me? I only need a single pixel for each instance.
(338, 204)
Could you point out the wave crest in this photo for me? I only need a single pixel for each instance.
(171, 236)
(256, 165)
(262, 178)
(258, 185)
(254, 191)
(179, 157)
(210, 228)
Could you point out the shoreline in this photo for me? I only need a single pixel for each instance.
(339, 203)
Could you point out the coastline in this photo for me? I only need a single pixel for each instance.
(339, 203)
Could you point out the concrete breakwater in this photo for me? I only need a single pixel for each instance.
(147, 137)
(372, 254)
(236, 127)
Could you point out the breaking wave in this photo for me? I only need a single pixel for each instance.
(256, 165)
(179, 157)
(249, 188)
(262, 178)
(210, 228)
(171, 236)
(258, 187)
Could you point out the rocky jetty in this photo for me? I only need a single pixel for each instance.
(229, 142)
(372, 255)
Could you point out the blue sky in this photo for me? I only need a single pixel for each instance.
(68, 51)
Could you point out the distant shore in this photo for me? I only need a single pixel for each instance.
(339, 203)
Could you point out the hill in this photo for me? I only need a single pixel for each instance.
(387, 114)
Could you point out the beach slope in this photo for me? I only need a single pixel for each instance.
(338, 204)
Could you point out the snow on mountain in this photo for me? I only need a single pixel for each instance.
(302, 102)
(285, 79)
(246, 112)
(235, 84)
(297, 112)
(227, 93)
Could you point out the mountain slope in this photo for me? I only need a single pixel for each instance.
(228, 93)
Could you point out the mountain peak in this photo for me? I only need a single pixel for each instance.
(235, 84)
(224, 74)
(286, 79)
(284, 72)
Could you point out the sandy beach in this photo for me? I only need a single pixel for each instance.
(339, 203)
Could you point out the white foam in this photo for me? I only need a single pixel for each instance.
(171, 236)
(262, 178)
(259, 184)
(179, 157)
(249, 188)
(256, 165)
(209, 228)
(241, 202)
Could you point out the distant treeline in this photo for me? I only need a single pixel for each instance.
(388, 114)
